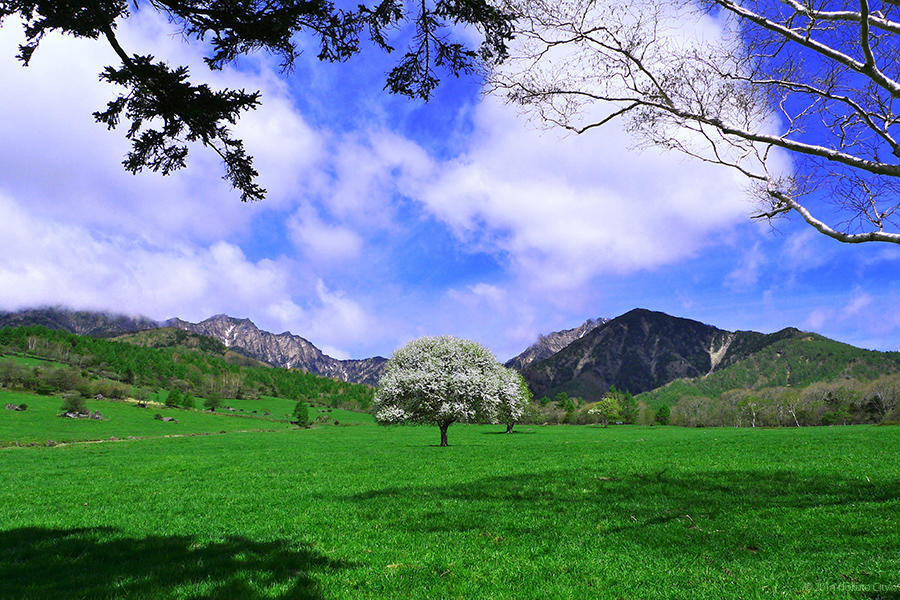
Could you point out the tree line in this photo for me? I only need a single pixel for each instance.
(843, 402)
(91, 366)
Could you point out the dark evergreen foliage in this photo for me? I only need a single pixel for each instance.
(167, 111)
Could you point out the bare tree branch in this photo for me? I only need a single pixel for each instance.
(816, 81)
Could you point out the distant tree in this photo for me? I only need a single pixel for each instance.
(883, 395)
(663, 414)
(751, 405)
(514, 397)
(188, 401)
(301, 414)
(173, 400)
(167, 111)
(74, 403)
(212, 403)
(439, 381)
(606, 409)
(630, 410)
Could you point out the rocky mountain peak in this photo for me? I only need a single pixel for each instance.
(282, 350)
(551, 343)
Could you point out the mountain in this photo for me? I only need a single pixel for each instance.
(644, 350)
(171, 337)
(282, 350)
(96, 324)
(638, 351)
(550, 344)
(240, 336)
(788, 358)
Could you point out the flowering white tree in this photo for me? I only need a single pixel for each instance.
(439, 381)
(514, 396)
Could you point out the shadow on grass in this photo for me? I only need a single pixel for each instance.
(643, 508)
(99, 563)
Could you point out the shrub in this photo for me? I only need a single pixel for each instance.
(301, 414)
(74, 403)
(662, 414)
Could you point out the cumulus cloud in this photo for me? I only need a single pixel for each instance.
(340, 321)
(66, 166)
(323, 242)
(48, 262)
(568, 208)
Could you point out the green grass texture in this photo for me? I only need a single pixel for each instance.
(31, 361)
(40, 423)
(382, 512)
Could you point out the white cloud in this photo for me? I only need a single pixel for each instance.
(567, 208)
(746, 274)
(368, 169)
(338, 321)
(856, 304)
(322, 242)
(66, 166)
(818, 318)
(50, 262)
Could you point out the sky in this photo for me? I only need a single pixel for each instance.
(388, 218)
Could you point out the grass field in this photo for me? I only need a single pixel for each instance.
(372, 512)
(280, 407)
(31, 361)
(39, 424)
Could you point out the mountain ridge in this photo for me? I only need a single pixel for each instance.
(244, 337)
(282, 349)
(81, 322)
(644, 350)
(549, 344)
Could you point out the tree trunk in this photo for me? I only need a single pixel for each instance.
(444, 427)
(509, 427)
(796, 422)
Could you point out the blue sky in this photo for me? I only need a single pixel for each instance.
(389, 218)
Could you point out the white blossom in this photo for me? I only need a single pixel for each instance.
(442, 380)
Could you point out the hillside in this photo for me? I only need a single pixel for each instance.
(95, 365)
(98, 324)
(791, 358)
(637, 351)
(551, 343)
(239, 337)
(644, 350)
(171, 337)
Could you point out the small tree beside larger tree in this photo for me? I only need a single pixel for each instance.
(442, 380)
(514, 397)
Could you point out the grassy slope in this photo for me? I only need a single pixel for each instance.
(279, 408)
(122, 419)
(31, 361)
(369, 512)
(171, 337)
(798, 361)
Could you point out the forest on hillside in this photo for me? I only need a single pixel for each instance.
(47, 361)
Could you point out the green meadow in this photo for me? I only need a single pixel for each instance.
(382, 512)
(121, 419)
